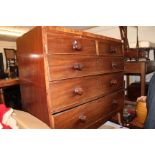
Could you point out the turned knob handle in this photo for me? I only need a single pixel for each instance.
(77, 66)
(113, 50)
(82, 118)
(78, 91)
(76, 45)
(114, 104)
(114, 65)
(113, 82)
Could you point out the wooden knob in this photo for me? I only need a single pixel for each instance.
(82, 118)
(113, 82)
(114, 104)
(77, 66)
(114, 65)
(113, 50)
(114, 101)
(76, 45)
(78, 91)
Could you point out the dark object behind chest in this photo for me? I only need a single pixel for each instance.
(1, 66)
(134, 90)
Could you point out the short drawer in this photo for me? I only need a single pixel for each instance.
(72, 92)
(70, 44)
(69, 66)
(85, 115)
(110, 48)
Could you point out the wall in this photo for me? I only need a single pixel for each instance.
(113, 31)
(144, 32)
(6, 44)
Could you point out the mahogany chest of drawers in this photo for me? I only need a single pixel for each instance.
(70, 78)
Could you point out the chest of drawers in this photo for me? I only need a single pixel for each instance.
(70, 78)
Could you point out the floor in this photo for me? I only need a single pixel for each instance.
(111, 125)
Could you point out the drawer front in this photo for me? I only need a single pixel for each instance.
(110, 64)
(69, 93)
(70, 44)
(85, 115)
(113, 49)
(69, 66)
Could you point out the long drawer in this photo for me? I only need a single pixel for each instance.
(70, 66)
(71, 92)
(87, 114)
(70, 44)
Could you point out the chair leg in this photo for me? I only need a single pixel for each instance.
(120, 118)
(1, 96)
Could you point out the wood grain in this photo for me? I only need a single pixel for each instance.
(92, 112)
(66, 44)
(70, 79)
(62, 66)
(9, 82)
(111, 48)
(64, 94)
(32, 74)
